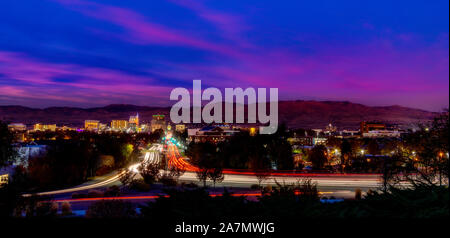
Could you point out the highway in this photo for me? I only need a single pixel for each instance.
(342, 185)
(238, 178)
(153, 155)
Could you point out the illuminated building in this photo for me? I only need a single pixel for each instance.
(180, 127)
(371, 126)
(381, 133)
(101, 126)
(330, 129)
(213, 134)
(301, 140)
(319, 140)
(17, 127)
(38, 127)
(252, 131)
(376, 129)
(158, 117)
(42, 127)
(348, 134)
(145, 128)
(67, 128)
(158, 122)
(119, 124)
(4, 175)
(134, 120)
(91, 125)
(50, 127)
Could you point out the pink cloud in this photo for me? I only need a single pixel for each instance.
(87, 82)
(141, 31)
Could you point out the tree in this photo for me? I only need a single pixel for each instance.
(260, 165)
(424, 158)
(334, 142)
(373, 147)
(202, 175)
(126, 177)
(204, 157)
(7, 151)
(279, 149)
(149, 172)
(176, 172)
(216, 174)
(346, 152)
(318, 157)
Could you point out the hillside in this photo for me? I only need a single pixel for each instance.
(304, 114)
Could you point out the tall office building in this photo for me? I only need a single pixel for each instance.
(91, 125)
(17, 127)
(158, 122)
(119, 124)
(134, 120)
(44, 127)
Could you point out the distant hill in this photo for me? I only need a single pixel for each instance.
(296, 114)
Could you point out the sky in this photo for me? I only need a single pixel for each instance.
(87, 53)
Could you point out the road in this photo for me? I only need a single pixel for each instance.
(150, 156)
(342, 185)
(239, 178)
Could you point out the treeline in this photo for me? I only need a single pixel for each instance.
(76, 156)
(243, 151)
(281, 203)
(301, 201)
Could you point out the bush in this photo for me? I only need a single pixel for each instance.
(113, 191)
(79, 195)
(149, 172)
(103, 170)
(139, 185)
(95, 194)
(300, 201)
(358, 194)
(190, 185)
(46, 209)
(111, 209)
(168, 180)
(255, 186)
(66, 209)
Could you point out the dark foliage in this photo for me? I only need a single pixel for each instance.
(111, 209)
(300, 201)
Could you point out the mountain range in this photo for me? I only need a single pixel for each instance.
(296, 114)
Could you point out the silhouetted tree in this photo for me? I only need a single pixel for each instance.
(373, 147)
(149, 172)
(204, 157)
(430, 163)
(7, 151)
(346, 152)
(318, 157)
(216, 174)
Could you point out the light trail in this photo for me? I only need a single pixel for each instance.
(148, 157)
(241, 178)
(246, 177)
(145, 197)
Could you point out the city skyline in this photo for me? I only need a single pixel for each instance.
(95, 53)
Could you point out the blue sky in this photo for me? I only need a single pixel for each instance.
(93, 53)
